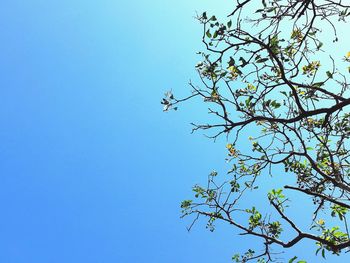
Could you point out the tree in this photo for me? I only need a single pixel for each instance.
(265, 73)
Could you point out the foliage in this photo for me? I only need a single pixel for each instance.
(268, 72)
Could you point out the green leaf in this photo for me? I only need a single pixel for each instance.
(318, 84)
(208, 33)
(319, 45)
(231, 62)
(329, 74)
(244, 62)
(292, 259)
(262, 60)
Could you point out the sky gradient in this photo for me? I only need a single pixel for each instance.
(91, 169)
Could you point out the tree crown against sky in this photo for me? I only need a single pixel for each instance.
(268, 80)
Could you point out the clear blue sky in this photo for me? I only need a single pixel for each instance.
(91, 169)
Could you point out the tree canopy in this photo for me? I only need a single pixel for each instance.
(270, 81)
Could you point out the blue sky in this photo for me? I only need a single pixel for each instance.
(91, 169)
